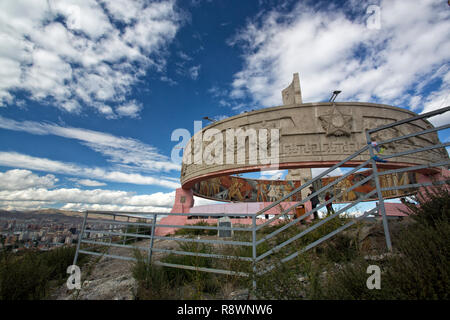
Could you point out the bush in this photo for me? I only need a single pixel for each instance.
(24, 278)
(197, 232)
(153, 281)
(160, 282)
(281, 283)
(145, 230)
(432, 208)
(28, 276)
(204, 281)
(419, 266)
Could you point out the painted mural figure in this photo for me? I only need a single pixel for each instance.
(342, 187)
(214, 184)
(287, 189)
(274, 192)
(234, 190)
(204, 188)
(261, 193)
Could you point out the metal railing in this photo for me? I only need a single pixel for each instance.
(249, 232)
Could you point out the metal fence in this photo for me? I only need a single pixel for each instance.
(261, 234)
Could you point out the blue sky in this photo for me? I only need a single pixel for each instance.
(91, 91)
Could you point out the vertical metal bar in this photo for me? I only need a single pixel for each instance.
(254, 250)
(150, 252)
(110, 229)
(137, 232)
(83, 225)
(126, 230)
(379, 193)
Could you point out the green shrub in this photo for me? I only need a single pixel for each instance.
(431, 208)
(282, 283)
(197, 232)
(28, 276)
(145, 230)
(162, 282)
(419, 266)
(24, 278)
(153, 281)
(188, 260)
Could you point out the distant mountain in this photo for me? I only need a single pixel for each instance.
(57, 211)
(52, 214)
(41, 214)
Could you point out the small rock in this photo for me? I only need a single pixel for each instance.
(239, 295)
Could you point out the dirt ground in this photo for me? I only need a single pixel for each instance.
(105, 278)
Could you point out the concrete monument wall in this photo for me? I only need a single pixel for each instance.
(318, 135)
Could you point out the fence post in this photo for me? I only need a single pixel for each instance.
(137, 232)
(111, 229)
(150, 252)
(379, 193)
(254, 250)
(83, 225)
(126, 230)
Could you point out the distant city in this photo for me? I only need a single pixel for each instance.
(42, 231)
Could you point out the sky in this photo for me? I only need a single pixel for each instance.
(92, 90)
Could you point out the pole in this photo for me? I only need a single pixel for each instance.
(379, 193)
(254, 250)
(126, 230)
(79, 238)
(150, 252)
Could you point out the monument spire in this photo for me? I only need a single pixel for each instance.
(293, 93)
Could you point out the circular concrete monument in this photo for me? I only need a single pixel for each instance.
(297, 136)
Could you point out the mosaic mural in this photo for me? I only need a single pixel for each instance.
(386, 181)
(236, 189)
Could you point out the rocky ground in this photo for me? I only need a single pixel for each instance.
(106, 278)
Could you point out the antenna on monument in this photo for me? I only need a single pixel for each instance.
(334, 95)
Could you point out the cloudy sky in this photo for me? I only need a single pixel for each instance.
(91, 90)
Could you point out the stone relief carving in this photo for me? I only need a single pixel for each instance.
(335, 123)
(325, 148)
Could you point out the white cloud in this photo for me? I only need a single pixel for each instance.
(85, 59)
(24, 190)
(88, 182)
(98, 199)
(439, 98)
(96, 196)
(331, 51)
(272, 174)
(112, 207)
(22, 205)
(198, 201)
(336, 172)
(18, 179)
(17, 160)
(78, 199)
(130, 109)
(121, 150)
